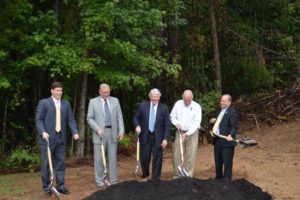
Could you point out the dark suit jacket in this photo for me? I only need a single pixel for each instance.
(228, 126)
(162, 122)
(45, 119)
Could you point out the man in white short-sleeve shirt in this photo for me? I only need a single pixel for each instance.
(186, 116)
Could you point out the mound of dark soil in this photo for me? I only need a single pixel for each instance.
(183, 189)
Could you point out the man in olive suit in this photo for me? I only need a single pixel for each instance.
(106, 120)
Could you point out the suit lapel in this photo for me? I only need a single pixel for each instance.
(158, 111)
(63, 109)
(100, 106)
(52, 106)
(226, 114)
(110, 105)
(148, 112)
(51, 103)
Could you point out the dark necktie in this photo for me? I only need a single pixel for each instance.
(107, 114)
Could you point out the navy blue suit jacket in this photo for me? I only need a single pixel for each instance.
(228, 126)
(162, 125)
(45, 119)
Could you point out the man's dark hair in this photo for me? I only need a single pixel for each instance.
(56, 84)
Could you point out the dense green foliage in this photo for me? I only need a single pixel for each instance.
(135, 45)
(24, 158)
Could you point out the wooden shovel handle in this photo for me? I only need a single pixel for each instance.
(50, 160)
(138, 150)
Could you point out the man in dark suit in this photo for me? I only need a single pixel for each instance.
(225, 124)
(53, 114)
(152, 121)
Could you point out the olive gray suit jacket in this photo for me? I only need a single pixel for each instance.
(96, 117)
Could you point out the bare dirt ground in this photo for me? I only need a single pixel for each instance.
(273, 165)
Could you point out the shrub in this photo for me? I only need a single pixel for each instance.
(126, 142)
(209, 102)
(22, 158)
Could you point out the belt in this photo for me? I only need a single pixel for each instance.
(150, 132)
(107, 126)
(183, 131)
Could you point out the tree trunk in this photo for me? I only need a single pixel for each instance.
(4, 126)
(56, 8)
(215, 46)
(74, 109)
(81, 115)
(298, 59)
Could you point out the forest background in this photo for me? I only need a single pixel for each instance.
(245, 48)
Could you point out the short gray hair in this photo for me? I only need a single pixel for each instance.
(104, 85)
(154, 91)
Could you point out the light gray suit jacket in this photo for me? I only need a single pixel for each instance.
(96, 117)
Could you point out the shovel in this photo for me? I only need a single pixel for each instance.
(246, 142)
(137, 154)
(104, 162)
(180, 167)
(52, 188)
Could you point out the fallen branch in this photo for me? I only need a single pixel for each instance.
(256, 122)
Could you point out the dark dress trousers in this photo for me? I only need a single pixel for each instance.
(151, 141)
(223, 149)
(45, 120)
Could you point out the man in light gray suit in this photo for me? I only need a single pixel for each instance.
(106, 120)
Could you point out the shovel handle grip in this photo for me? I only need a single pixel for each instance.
(224, 137)
(138, 150)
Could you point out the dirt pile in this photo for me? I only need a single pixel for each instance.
(183, 189)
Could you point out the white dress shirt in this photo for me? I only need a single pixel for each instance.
(189, 117)
(103, 103)
(56, 101)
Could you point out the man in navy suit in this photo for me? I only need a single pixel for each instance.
(53, 114)
(225, 123)
(152, 122)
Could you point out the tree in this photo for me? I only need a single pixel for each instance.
(215, 45)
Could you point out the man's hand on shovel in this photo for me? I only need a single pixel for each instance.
(164, 144)
(229, 138)
(184, 136)
(120, 136)
(138, 129)
(100, 132)
(76, 136)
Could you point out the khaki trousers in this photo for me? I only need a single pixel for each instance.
(190, 145)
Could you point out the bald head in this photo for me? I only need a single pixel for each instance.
(225, 101)
(187, 97)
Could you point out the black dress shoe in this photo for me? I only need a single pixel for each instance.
(48, 193)
(144, 178)
(63, 191)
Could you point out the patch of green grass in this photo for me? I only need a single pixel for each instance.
(13, 184)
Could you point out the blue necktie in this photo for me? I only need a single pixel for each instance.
(151, 119)
(107, 114)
